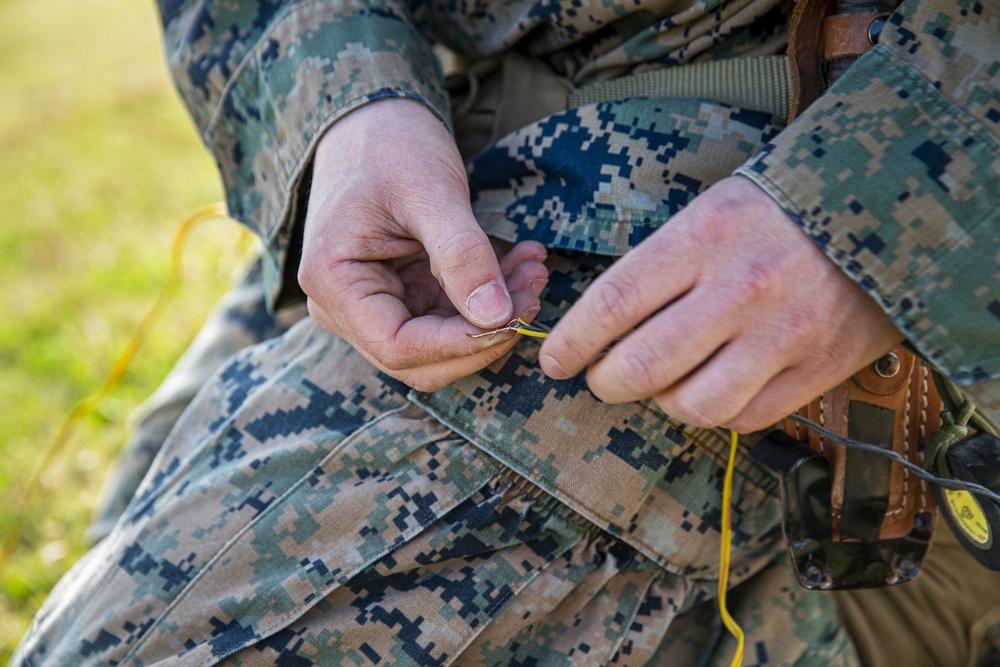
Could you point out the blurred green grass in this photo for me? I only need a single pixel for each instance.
(98, 163)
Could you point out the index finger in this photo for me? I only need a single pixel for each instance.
(651, 275)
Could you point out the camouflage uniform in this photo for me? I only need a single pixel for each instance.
(307, 509)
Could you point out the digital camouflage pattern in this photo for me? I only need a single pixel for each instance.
(601, 178)
(896, 174)
(305, 511)
(309, 510)
(920, 112)
(240, 319)
(264, 78)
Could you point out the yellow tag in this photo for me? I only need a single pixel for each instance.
(969, 516)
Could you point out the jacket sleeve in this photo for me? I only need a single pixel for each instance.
(264, 78)
(895, 173)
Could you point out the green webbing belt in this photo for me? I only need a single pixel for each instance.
(760, 82)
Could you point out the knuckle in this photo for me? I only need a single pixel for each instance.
(616, 299)
(382, 352)
(461, 250)
(392, 363)
(759, 282)
(427, 194)
(398, 356)
(567, 347)
(497, 351)
(636, 372)
(444, 188)
(803, 323)
(829, 356)
(689, 409)
(714, 224)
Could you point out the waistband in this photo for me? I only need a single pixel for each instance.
(497, 96)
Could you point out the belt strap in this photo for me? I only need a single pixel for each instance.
(496, 96)
(760, 82)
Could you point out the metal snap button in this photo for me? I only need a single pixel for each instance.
(887, 366)
(875, 30)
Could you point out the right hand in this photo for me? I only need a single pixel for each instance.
(394, 262)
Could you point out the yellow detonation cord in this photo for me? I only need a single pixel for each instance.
(726, 548)
(114, 376)
(726, 538)
(121, 365)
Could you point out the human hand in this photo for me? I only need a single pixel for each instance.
(747, 318)
(393, 260)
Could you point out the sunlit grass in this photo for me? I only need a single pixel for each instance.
(98, 163)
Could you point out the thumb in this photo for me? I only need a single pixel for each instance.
(466, 265)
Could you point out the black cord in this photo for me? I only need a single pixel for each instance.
(947, 483)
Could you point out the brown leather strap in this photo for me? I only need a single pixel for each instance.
(804, 46)
(819, 36)
(908, 402)
(847, 35)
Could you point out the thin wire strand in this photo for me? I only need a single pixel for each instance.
(517, 325)
(947, 483)
(112, 379)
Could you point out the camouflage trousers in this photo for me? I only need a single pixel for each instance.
(306, 510)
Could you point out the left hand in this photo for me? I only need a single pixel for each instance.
(734, 317)
(393, 259)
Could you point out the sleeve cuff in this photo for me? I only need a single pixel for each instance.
(315, 64)
(899, 187)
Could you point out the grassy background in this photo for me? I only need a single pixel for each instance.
(98, 163)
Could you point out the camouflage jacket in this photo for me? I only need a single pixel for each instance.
(895, 172)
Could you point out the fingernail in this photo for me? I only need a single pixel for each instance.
(489, 304)
(552, 368)
(499, 339)
(530, 313)
(536, 285)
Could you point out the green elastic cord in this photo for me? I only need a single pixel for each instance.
(959, 413)
(763, 83)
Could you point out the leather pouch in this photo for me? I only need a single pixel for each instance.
(854, 519)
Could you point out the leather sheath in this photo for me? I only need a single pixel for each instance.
(908, 406)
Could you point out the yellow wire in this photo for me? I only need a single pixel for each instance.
(121, 364)
(529, 332)
(726, 538)
(725, 551)
(114, 376)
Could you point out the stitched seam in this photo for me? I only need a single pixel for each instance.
(225, 548)
(923, 430)
(906, 454)
(932, 94)
(537, 571)
(251, 55)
